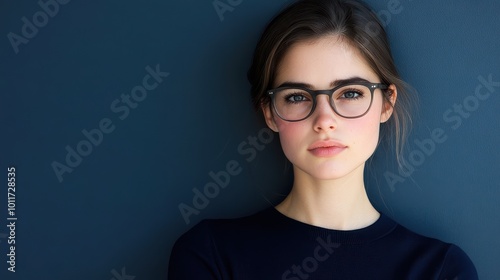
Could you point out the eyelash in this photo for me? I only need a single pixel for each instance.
(360, 94)
(290, 95)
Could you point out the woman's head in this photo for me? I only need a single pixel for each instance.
(353, 24)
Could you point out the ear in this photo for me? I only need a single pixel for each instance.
(269, 116)
(387, 108)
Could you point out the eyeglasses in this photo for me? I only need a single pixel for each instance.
(350, 101)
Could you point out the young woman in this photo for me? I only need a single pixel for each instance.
(326, 82)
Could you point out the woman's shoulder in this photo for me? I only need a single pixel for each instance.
(449, 258)
(225, 228)
(200, 253)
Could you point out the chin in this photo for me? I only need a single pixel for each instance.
(331, 176)
(333, 171)
(329, 173)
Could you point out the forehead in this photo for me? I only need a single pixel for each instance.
(320, 61)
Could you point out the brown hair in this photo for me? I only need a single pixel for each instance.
(354, 22)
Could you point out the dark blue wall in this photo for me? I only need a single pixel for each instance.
(114, 211)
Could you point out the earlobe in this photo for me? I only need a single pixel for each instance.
(388, 108)
(269, 117)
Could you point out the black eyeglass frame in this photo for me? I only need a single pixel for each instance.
(314, 93)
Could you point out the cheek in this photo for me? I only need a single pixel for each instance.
(365, 130)
(292, 134)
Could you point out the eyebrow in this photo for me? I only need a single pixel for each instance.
(333, 84)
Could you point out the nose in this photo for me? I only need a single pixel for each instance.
(325, 118)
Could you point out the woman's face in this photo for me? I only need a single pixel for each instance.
(325, 145)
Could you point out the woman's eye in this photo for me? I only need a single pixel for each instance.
(351, 95)
(296, 98)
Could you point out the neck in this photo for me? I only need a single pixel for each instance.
(340, 204)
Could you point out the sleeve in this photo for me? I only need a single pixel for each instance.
(193, 256)
(457, 266)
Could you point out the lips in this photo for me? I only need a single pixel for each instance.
(326, 148)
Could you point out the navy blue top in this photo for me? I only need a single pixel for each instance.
(269, 245)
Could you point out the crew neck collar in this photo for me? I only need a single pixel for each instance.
(380, 228)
